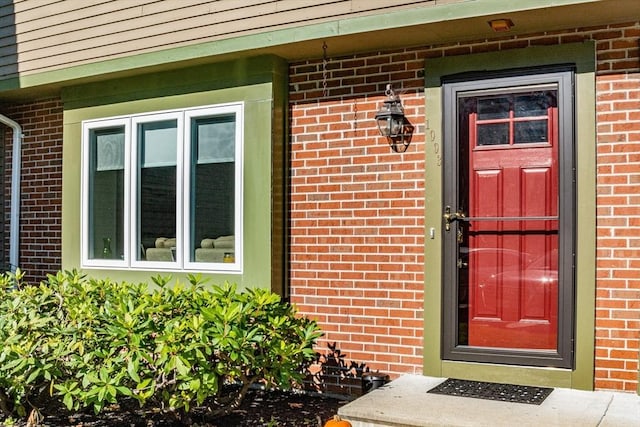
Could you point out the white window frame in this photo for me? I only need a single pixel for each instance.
(184, 118)
(134, 213)
(87, 127)
(195, 113)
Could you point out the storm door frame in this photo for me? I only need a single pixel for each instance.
(453, 88)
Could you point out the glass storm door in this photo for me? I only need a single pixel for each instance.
(502, 226)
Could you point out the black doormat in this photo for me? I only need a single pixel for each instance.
(493, 391)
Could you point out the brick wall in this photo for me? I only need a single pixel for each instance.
(357, 209)
(618, 251)
(357, 226)
(41, 187)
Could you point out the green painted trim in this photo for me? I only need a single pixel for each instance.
(583, 56)
(279, 183)
(264, 40)
(517, 58)
(229, 74)
(586, 166)
(433, 221)
(261, 135)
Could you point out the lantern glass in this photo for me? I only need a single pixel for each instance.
(396, 126)
(383, 125)
(390, 118)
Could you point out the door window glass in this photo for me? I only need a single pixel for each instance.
(520, 118)
(508, 238)
(508, 277)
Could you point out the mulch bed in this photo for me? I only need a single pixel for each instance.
(260, 408)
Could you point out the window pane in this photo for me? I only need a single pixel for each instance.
(493, 108)
(106, 193)
(493, 134)
(213, 188)
(157, 144)
(533, 104)
(531, 131)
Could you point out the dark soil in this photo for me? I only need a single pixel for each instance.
(260, 408)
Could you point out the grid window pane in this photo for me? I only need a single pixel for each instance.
(493, 108)
(531, 131)
(533, 104)
(493, 134)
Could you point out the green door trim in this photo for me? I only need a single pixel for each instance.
(582, 56)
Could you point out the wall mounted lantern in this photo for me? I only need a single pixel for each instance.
(392, 123)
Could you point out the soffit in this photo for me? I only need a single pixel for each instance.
(463, 29)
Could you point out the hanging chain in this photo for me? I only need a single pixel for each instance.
(325, 91)
(355, 116)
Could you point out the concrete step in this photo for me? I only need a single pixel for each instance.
(404, 402)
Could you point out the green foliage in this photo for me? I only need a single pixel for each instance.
(91, 343)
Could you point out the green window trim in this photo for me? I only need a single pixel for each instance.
(259, 84)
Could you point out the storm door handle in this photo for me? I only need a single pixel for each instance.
(449, 217)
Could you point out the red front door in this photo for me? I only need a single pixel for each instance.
(509, 236)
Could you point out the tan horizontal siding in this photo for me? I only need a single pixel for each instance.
(52, 34)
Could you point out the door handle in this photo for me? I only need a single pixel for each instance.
(449, 217)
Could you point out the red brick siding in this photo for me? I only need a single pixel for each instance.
(356, 218)
(357, 209)
(618, 230)
(40, 189)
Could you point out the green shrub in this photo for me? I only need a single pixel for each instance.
(90, 343)
(33, 347)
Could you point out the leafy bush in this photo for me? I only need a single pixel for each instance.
(90, 343)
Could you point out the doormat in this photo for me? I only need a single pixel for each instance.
(493, 391)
